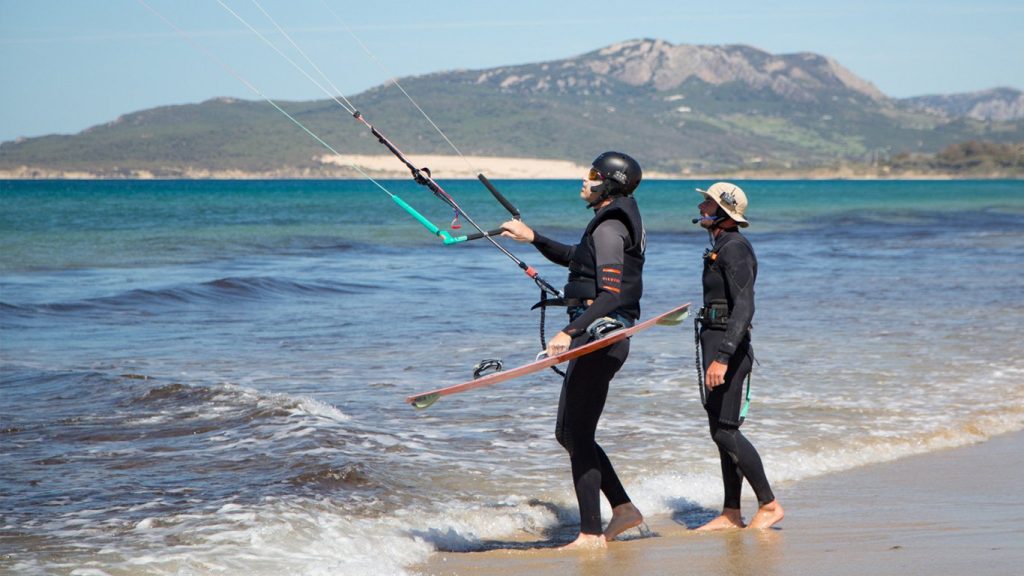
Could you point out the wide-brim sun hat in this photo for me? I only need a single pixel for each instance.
(730, 198)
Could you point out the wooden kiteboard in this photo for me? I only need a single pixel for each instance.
(670, 318)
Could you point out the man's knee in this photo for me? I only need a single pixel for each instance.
(726, 438)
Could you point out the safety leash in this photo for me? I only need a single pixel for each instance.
(697, 363)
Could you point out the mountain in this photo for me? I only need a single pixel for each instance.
(661, 66)
(999, 104)
(681, 109)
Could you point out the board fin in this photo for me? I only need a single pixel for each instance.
(425, 401)
(674, 319)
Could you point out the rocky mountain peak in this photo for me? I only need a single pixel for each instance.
(665, 66)
(662, 66)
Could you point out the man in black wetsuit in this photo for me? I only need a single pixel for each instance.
(605, 270)
(730, 269)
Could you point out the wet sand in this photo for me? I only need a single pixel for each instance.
(955, 512)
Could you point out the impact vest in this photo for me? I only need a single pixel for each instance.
(582, 282)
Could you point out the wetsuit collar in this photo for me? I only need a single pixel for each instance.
(717, 230)
(600, 203)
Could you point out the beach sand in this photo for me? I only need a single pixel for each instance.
(443, 166)
(957, 512)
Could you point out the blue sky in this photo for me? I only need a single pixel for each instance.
(70, 64)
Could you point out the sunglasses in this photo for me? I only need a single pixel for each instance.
(594, 175)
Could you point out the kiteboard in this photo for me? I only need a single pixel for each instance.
(670, 318)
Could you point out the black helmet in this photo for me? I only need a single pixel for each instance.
(619, 172)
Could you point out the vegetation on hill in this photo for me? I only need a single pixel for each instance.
(965, 159)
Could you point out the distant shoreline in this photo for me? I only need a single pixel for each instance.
(358, 167)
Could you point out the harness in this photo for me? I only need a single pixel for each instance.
(714, 316)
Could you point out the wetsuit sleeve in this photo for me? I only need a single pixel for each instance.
(610, 239)
(556, 252)
(738, 261)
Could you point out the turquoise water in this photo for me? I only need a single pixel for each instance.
(87, 224)
(209, 376)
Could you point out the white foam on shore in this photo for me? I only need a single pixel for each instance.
(310, 537)
(700, 485)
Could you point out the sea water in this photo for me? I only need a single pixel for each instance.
(209, 377)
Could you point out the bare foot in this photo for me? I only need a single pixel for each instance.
(730, 519)
(624, 517)
(768, 515)
(587, 542)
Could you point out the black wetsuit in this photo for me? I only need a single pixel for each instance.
(605, 268)
(730, 269)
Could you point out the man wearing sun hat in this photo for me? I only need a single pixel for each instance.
(728, 198)
(725, 355)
